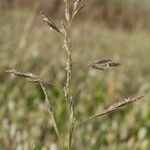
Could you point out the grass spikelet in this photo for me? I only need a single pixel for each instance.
(112, 108)
(50, 22)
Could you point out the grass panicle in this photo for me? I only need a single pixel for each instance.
(71, 10)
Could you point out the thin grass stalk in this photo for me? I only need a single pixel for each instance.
(68, 84)
(67, 88)
(52, 115)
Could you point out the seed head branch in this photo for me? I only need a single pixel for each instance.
(77, 7)
(45, 83)
(100, 65)
(112, 108)
(51, 23)
(20, 74)
(35, 79)
(32, 78)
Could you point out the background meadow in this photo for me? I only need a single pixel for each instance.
(115, 29)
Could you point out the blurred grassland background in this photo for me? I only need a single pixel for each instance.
(116, 29)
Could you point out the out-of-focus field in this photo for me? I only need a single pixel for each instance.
(27, 44)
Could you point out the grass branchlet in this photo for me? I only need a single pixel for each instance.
(34, 78)
(112, 108)
(51, 23)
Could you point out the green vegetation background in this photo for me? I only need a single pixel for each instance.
(115, 30)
